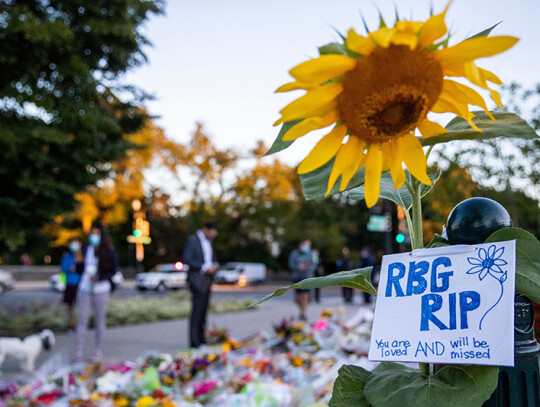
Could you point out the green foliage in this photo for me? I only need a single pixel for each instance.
(279, 144)
(450, 386)
(61, 119)
(392, 384)
(527, 260)
(484, 33)
(508, 125)
(358, 278)
(314, 184)
(349, 387)
(401, 196)
(121, 312)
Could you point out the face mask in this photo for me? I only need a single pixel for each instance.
(305, 249)
(74, 246)
(94, 240)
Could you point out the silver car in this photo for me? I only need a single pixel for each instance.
(163, 277)
(7, 281)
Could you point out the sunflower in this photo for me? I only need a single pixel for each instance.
(378, 90)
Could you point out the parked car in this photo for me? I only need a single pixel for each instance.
(7, 281)
(58, 284)
(163, 277)
(241, 273)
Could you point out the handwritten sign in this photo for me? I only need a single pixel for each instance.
(447, 305)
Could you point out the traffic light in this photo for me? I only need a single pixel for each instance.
(139, 226)
(400, 238)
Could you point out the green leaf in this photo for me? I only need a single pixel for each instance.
(279, 144)
(484, 33)
(315, 183)
(333, 48)
(451, 386)
(437, 241)
(401, 196)
(508, 125)
(349, 387)
(527, 259)
(358, 278)
(386, 366)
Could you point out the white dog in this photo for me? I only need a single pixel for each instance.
(28, 349)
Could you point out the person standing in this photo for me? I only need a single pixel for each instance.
(344, 264)
(302, 266)
(72, 265)
(100, 265)
(201, 259)
(319, 272)
(367, 260)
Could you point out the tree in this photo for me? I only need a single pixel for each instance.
(63, 110)
(506, 171)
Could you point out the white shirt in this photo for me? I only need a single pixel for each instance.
(90, 270)
(208, 253)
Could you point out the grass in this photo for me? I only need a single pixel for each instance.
(121, 312)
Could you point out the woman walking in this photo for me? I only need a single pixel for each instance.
(100, 265)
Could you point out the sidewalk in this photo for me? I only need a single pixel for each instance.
(131, 342)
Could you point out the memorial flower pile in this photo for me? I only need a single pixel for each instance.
(293, 364)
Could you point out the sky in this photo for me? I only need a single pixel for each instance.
(219, 61)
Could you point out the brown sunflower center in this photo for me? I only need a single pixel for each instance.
(389, 92)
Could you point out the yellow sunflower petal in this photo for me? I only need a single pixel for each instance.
(433, 29)
(373, 175)
(348, 159)
(496, 98)
(310, 124)
(353, 153)
(337, 169)
(414, 157)
(393, 156)
(382, 36)
(490, 76)
(446, 104)
(464, 94)
(323, 68)
(408, 39)
(315, 101)
(469, 50)
(324, 150)
(430, 129)
(295, 86)
(358, 43)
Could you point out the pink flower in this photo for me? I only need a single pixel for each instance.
(320, 325)
(203, 387)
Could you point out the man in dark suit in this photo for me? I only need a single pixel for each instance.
(200, 257)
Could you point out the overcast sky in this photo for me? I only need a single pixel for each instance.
(219, 61)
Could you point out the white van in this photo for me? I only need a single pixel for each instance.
(241, 273)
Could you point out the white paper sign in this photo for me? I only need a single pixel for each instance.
(447, 305)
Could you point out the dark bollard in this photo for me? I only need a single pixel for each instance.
(519, 386)
(471, 222)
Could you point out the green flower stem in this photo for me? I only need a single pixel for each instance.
(417, 236)
(417, 240)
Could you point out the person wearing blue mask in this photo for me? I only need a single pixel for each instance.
(302, 266)
(72, 265)
(100, 265)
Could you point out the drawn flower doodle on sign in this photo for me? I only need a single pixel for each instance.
(489, 262)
